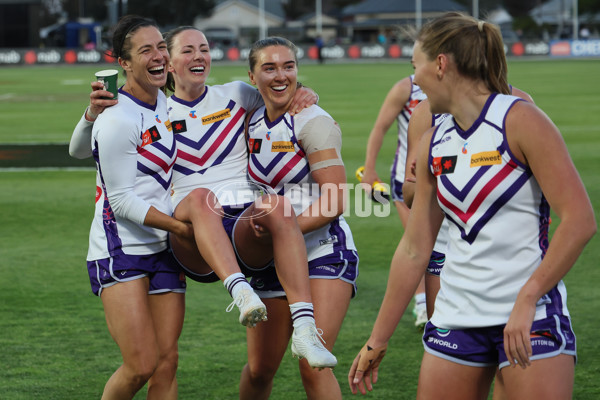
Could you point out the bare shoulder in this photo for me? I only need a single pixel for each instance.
(400, 92)
(396, 98)
(522, 94)
(420, 120)
(527, 126)
(422, 111)
(526, 115)
(403, 87)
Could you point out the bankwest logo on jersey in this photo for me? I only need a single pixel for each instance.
(443, 165)
(218, 116)
(150, 136)
(179, 126)
(254, 145)
(486, 158)
(282, 147)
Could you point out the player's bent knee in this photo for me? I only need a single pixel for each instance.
(169, 363)
(141, 372)
(203, 198)
(261, 373)
(275, 207)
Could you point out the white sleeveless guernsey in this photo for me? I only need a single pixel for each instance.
(278, 161)
(498, 223)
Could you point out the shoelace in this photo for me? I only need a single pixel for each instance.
(239, 302)
(319, 333)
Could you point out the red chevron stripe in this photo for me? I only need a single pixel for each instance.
(188, 157)
(485, 191)
(155, 159)
(256, 177)
(211, 150)
(285, 169)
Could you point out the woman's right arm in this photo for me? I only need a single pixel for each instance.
(407, 267)
(420, 121)
(391, 107)
(80, 145)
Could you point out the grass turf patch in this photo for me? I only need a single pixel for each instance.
(54, 338)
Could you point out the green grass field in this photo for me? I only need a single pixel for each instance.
(53, 338)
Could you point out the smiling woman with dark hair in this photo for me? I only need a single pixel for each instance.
(129, 265)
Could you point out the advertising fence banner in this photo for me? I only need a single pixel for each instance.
(359, 52)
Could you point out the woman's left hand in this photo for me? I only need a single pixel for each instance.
(517, 334)
(304, 97)
(258, 230)
(365, 368)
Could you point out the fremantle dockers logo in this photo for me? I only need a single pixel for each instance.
(443, 165)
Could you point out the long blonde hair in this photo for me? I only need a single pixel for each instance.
(476, 48)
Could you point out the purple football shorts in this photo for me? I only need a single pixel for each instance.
(483, 347)
(266, 284)
(436, 263)
(160, 268)
(396, 189)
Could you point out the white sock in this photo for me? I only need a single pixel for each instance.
(302, 313)
(420, 299)
(234, 282)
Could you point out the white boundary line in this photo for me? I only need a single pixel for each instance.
(46, 169)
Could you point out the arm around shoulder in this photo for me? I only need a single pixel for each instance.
(80, 145)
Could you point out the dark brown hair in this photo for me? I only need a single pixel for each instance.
(124, 29)
(170, 38)
(268, 42)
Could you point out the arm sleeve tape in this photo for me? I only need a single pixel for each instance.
(322, 133)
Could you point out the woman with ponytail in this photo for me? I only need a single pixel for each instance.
(486, 170)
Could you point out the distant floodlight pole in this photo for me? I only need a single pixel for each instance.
(476, 9)
(261, 19)
(418, 14)
(98, 33)
(575, 20)
(319, 17)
